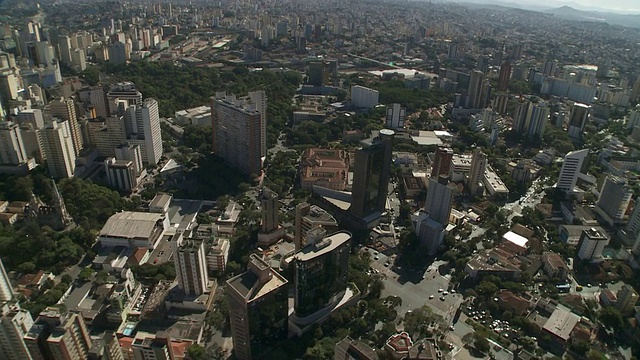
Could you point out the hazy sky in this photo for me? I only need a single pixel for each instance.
(632, 6)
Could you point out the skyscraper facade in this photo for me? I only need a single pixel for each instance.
(614, 200)
(70, 340)
(121, 96)
(442, 162)
(371, 176)
(270, 206)
(14, 324)
(239, 135)
(505, 76)
(58, 148)
(320, 273)
(395, 116)
(6, 290)
(439, 199)
(12, 148)
(476, 86)
(570, 170)
(65, 109)
(578, 120)
(191, 267)
(478, 166)
(142, 124)
(258, 309)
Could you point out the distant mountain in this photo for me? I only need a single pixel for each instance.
(567, 12)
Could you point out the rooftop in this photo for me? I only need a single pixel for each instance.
(325, 246)
(561, 323)
(129, 224)
(251, 286)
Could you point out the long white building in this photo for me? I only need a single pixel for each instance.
(142, 124)
(363, 97)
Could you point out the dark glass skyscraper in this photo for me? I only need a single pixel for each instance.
(371, 176)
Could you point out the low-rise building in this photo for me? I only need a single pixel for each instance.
(324, 167)
(493, 183)
(554, 266)
(560, 325)
(134, 229)
(495, 262)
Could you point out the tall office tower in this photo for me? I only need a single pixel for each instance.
(6, 290)
(571, 170)
(36, 338)
(627, 299)
(32, 140)
(516, 52)
(8, 85)
(14, 324)
(65, 109)
(259, 98)
(395, 116)
(191, 267)
(309, 218)
(603, 68)
(371, 177)
(592, 242)
(318, 73)
(12, 149)
(578, 120)
(258, 308)
(537, 118)
(64, 47)
(476, 85)
(121, 96)
(58, 149)
(430, 233)
(505, 76)
(142, 125)
(70, 340)
(118, 53)
(31, 116)
(439, 199)
(442, 162)
(120, 174)
(320, 274)
(238, 130)
(478, 166)
(635, 90)
(614, 200)
(550, 68)
(270, 206)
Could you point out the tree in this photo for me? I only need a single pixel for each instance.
(85, 273)
(611, 318)
(481, 343)
(197, 352)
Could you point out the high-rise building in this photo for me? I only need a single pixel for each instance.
(239, 135)
(592, 242)
(79, 60)
(58, 149)
(363, 97)
(191, 267)
(142, 124)
(614, 200)
(107, 348)
(442, 162)
(119, 53)
(439, 199)
(371, 177)
(6, 290)
(153, 348)
(64, 47)
(130, 153)
(308, 218)
(395, 116)
(476, 85)
(95, 96)
(121, 96)
(578, 120)
(603, 68)
(70, 340)
(570, 170)
(537, 118)
(478, 166)
(430, 233)
(627, 299)
(505, 76)
(65, 109)
(270, 206)
(320, 274)
(121, 174)
(12, 149)
(258, 308)
(31, 116)
(14, 324)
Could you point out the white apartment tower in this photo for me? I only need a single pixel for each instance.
(478, 167)
(142, 125)
(191, 267)
(439, 199)
(12, 149)
(65, 109)
(6, 290)
(14, 324)
(591, 244)
(362, 97)
(58, 149)
(615, 197)
(571, 170)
